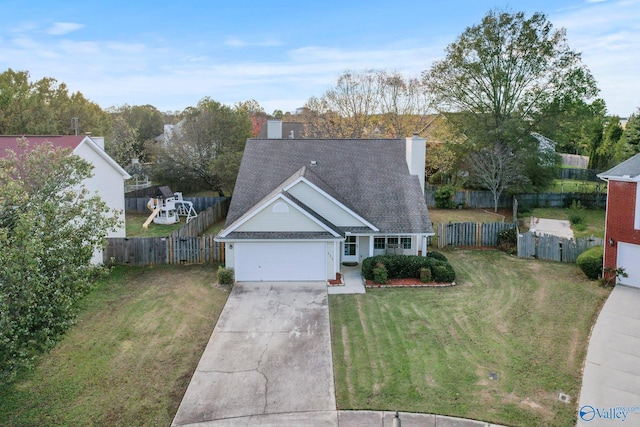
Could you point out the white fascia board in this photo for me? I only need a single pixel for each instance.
(266, 204)
(624, 178)
(348, 233)
(333, 200)
(88, 141)
(223, 240)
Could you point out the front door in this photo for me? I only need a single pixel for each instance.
(350, 249)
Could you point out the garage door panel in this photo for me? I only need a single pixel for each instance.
(629, 259)
(280, 261)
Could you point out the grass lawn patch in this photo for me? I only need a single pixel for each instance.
(135, 221)
(129, 358)
(214, 228)
(593, 220)
(445, 216)
(575, 186)
(434, 350)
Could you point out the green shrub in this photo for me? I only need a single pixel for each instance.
(590, 262)
(380, 274)
(409, 266)
(508, 240)
(576, 213)
(225, 276)
(425, 275)
(579, 227)
(444, 197)
(524, 209)
(437, 255)
(443, 272)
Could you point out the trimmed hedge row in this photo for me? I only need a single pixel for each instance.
(409, 266)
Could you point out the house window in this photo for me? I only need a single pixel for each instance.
(378, 243)
(405, 242)
(350, 246)
(392, 241)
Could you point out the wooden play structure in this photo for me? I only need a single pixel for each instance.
(167, 208)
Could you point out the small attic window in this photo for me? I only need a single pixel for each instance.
(280, 207)
(314, 162)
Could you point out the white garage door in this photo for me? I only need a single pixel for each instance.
(280, 261)
(629, 259)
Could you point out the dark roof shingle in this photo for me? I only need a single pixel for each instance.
(370, 176)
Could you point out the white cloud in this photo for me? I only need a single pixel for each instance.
(608, 35)
(62, 28)
(237, 42)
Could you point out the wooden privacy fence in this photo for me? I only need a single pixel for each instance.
(198, 225)
(554, 248)
(484, 199)
(139, 204)
(163, 250)
(470, 233)
(184, 246)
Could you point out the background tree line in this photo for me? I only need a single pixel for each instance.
(500, 81)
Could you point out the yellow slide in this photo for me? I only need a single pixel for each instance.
(153, 215)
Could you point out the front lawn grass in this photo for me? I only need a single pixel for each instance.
(129, 358)
(432, 350)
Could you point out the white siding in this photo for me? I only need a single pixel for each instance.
(229, 255)
(333, 259)
(363, 248)
(107, 182)
(324, 206)
(272, 218)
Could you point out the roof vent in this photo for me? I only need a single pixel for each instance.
(314, 163)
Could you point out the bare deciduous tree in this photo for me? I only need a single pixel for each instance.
(368, 104)
(497, 169)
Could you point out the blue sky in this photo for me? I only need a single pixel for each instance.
(172, 54)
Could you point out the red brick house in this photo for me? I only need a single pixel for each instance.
(622, 226)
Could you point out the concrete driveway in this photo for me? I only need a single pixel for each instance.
(268, 361)
(611, 380)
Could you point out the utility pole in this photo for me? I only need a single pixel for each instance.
(75, 124)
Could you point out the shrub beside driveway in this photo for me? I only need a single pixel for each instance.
(498, 347)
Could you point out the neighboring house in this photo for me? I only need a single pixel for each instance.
(279, 129)
(303, 207)
(622, 226)
(108, 177)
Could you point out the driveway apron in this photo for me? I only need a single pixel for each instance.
(611, 381)
(268, 361)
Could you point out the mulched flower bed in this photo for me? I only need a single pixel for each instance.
(337, 281)
(407, 283)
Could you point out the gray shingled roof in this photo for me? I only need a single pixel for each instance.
(630, 168)
(369, 176)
